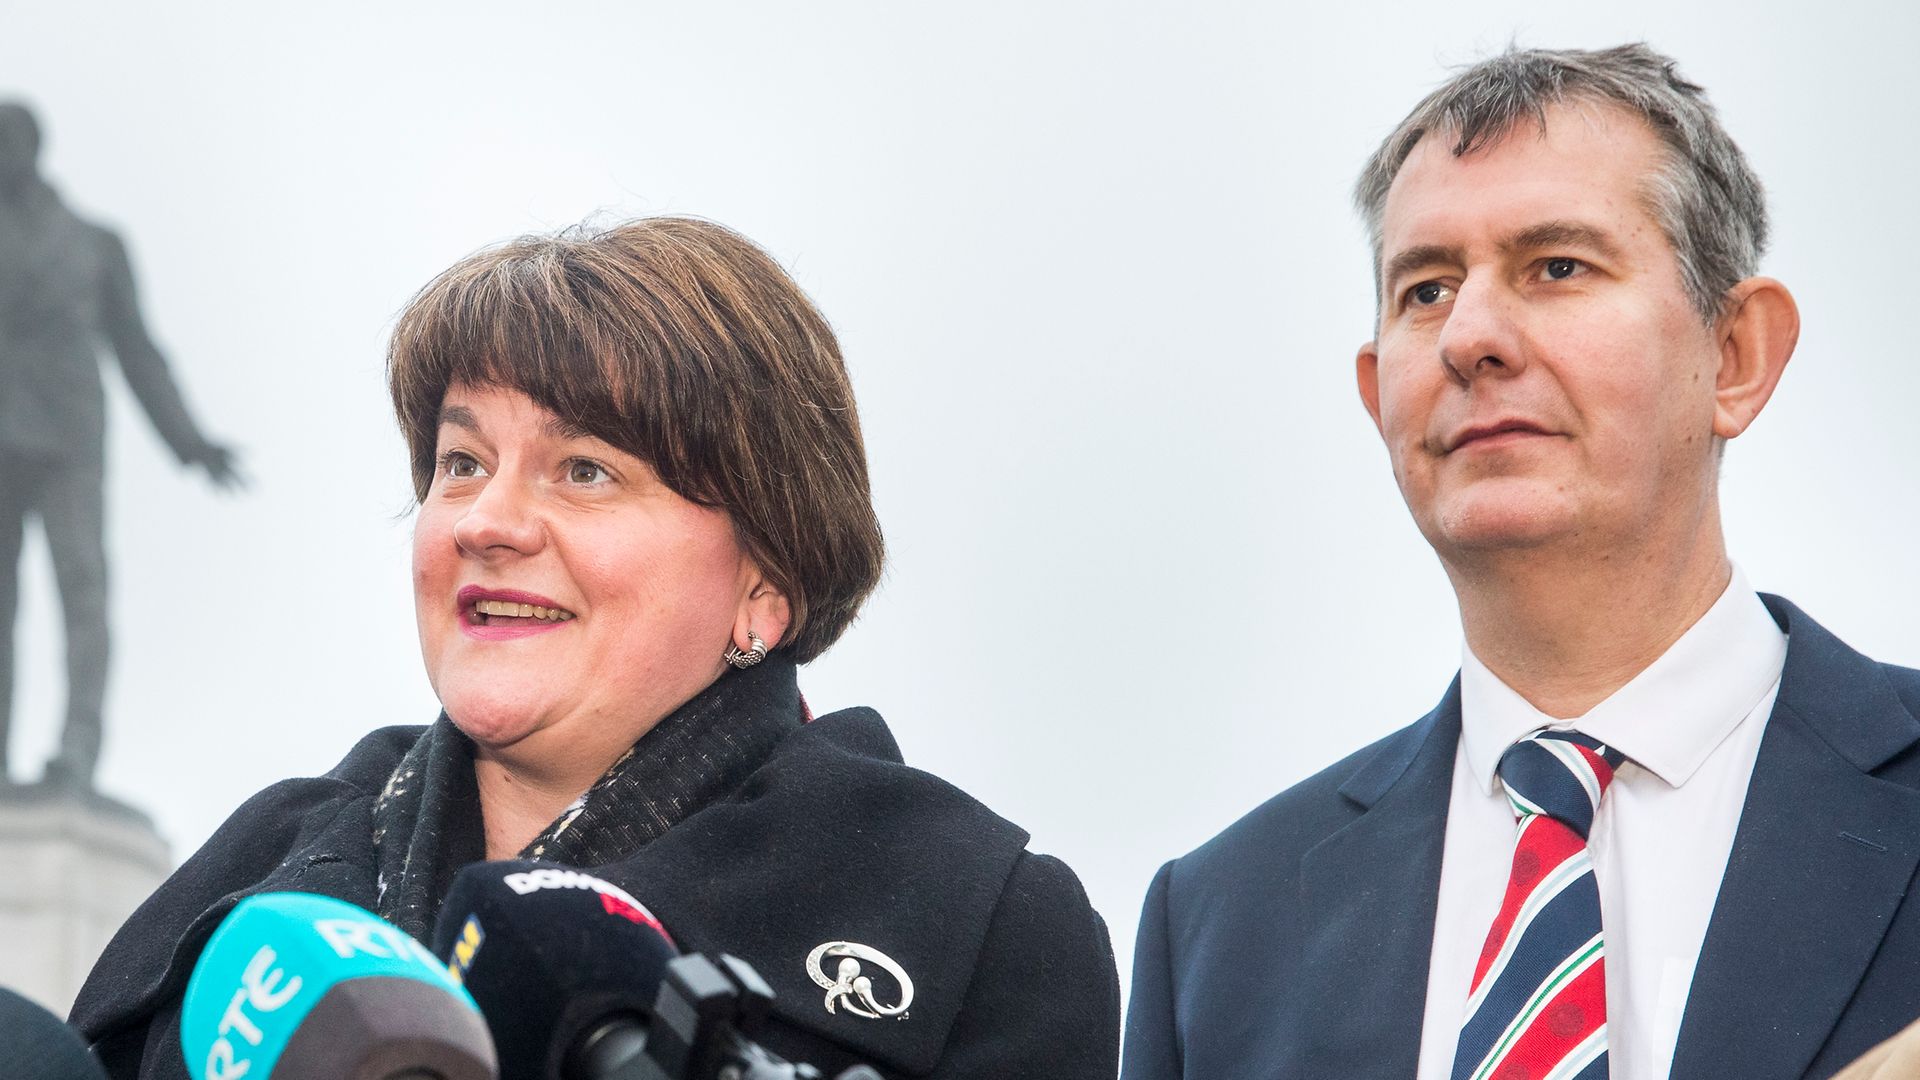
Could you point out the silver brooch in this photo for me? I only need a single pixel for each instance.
(851, 989)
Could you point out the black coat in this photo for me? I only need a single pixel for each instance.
(833, 838)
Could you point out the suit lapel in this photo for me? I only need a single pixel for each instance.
(1821, 860)
(1368, 895)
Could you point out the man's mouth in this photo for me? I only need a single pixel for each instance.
(508, 613)
(1493, 432)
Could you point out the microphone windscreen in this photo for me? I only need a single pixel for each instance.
(294, 986)
(35, 1043)
(548, 952)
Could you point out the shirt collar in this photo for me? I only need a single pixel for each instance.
(1669, 718)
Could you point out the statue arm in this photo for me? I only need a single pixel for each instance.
(140, 359)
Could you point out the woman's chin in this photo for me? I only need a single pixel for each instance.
(493, 725)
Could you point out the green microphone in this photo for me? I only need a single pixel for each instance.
(294, 986)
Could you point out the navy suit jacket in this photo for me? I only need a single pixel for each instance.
(1295, 943)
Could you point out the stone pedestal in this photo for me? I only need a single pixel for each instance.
(73, 866)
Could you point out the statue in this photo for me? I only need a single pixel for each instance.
(66, 289)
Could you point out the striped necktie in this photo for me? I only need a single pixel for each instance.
(1537, 1009)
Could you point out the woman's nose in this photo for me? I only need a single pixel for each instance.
(501, 521)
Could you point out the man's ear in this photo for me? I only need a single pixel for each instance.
(1366, 368)
(1757, 335)
(763, 609)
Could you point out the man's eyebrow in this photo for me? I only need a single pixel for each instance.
(1547, 234)
(1416, 258)
(1553, 234)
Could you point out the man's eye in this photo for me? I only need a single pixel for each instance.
(582, 471)
(1427, 293)
(1561, 269)
(455, 465)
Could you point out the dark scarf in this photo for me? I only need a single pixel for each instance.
(427, 823)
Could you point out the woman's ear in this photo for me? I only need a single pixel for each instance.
(764, 610)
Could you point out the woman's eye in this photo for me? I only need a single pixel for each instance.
(1427, 293)
(455, 465)
(582, 471)
(1561, 269)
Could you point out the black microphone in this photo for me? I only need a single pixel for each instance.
(579, 981)
(35, 1045)
(551, 956)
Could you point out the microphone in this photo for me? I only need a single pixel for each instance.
(36, 1045)
(294, 986)
(552, 957)
(579, 981)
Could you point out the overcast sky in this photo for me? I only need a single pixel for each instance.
(1099, 288)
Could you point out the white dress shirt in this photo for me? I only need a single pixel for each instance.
(1690, 725)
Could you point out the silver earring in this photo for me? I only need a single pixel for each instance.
(751, 656)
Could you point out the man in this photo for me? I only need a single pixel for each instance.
(1659, 825)
(65, 288)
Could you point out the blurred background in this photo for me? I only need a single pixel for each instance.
(1097, 280)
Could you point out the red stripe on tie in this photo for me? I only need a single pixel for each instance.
(1545, 844)
(1562, 1024)
(1602, 771)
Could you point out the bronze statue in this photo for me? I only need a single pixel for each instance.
(66, 288)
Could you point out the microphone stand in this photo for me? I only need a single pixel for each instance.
(698, 1031)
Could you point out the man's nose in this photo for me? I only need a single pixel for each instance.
(502, 521)
(1481, 336)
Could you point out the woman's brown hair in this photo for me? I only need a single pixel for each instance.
(684, 344)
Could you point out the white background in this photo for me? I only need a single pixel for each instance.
(1099, 287)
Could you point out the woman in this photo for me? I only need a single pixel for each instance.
(643, 502)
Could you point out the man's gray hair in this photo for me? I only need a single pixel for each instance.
(1704, 196)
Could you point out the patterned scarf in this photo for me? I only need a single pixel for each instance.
(427, 822)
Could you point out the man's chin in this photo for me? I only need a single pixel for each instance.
(1493, 526)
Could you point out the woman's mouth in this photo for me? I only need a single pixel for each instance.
(492, 614)
(507, 613)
